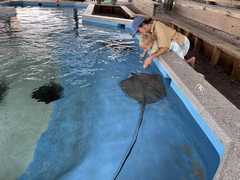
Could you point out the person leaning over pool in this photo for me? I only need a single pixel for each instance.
(166, 37)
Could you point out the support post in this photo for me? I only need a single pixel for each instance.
(197, 44)
(215, 56)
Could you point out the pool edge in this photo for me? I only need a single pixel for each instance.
(213, 114)
(89, 18)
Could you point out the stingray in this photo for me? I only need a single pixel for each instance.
(48, 92)
(145, 89)
(3, 89)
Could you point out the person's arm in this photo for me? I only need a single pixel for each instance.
(144, 53)
(161, 51)
(149, 60)
(162, 40)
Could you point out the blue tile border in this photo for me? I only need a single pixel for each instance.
(193, 111)
(105, 24)
(198, 118)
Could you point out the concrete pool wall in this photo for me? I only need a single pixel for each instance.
(221, 116)
(218, 113)
(89, 18)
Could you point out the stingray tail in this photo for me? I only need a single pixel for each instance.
(134, 140)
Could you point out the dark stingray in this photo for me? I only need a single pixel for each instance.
(48, 92)
(146, 89)
(3, 89)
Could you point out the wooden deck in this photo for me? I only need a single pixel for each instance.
(219, 47)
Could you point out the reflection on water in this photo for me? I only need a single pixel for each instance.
(75, 16)
(3, 89)
(36, 47)
(9, 25)
(31, 44)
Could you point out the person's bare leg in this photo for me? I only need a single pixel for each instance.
(191, 61)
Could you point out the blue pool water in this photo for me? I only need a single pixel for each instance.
(85, 134)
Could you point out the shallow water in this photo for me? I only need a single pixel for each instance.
(85, 134)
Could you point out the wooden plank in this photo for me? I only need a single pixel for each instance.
(217, 9)
(172, 26)
(223, 19)
(128, 11)
(145, 6)
(187, 33)
(197, 43)
(236, 70)
(178, 29)
(215, 56)
(226, 3)
(202, 35)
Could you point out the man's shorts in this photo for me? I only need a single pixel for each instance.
(180, 49)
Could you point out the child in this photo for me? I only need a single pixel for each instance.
(148, 42)
(166, 37)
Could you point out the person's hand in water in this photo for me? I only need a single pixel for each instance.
(147, 62)
(145, 50)
(142, 55)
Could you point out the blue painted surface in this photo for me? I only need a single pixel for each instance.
(43, 4)
(205, 136)
(199, 120)
(91, 127)
(161, 68)
(193, 111)
(105, 24)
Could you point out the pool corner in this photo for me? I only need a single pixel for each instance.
(89, 17)
(217, 117)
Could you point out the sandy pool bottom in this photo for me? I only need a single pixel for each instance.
(22, 121)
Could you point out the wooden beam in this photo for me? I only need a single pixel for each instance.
(172, 25)
(236, 70)
(205, 35)
(200, 34)
(197, 44)
(145, 6)
(226, 3)
(223, 19)
(187, 33)
(178, 29)
(215, 56)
